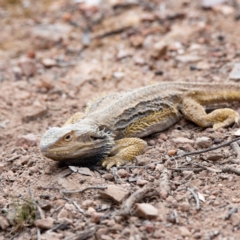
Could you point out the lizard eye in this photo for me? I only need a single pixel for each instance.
(68, 137)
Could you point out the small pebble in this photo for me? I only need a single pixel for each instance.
(146, 210)
(203, 142)
(215, 192)
(141, 182)
(151, 143)
(100, 232)
(184, 231)
(235, 219)
(214, 157)
(63, 213)
(96, 217)
(163, 136)
(163, 194)
(46, 223)
(185, 206)
(48, 170)
(169, 199)
(172, 152)
(3, 223)
(88, 203)
(123, 173)
(108, 176)
(149, 226)
(159, 167)
(91, 210)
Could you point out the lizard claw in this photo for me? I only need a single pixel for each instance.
(111, 161)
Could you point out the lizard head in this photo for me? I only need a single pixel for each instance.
(76, 144)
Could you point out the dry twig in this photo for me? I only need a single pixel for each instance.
(175, 215)
(60, 226)
(40, 211)
(76, 205)
(115, 175)
(194, 195)
(236, 148)
(207, 168)
(38, 234)
(165, 179)
(192, 153)
(135, 197)
(196, 198)
(208, 149)
(229, 169)
(84, 189)
(231, 212)
(82, 235)
(13, 158)
(185, 169)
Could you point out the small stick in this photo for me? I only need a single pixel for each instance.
(58, 226)
(40, 211)
(13, 158)
(84, 189)
(50, 188)
(135, 197)
(194, 195)
(115, 175)
(165, 179)
(83, 234)
(229, 169)
(175, 215)
(192, 153)
(57, 209)
(196, 198)
(207, 168)
(38, 234)
(76, 205)
(231, 212)
(236, 148)
(207, 149)
(185, 169)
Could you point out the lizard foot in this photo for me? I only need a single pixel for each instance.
(111, 161)
(232, 118)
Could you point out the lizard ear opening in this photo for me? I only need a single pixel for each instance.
(95, 138)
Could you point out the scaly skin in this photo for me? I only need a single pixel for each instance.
(110, 129)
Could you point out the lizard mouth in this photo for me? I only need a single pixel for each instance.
(84, 160)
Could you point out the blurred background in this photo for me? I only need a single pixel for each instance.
(57, 56)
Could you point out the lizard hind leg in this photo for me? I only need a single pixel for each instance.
(124, 150)
(218, 118)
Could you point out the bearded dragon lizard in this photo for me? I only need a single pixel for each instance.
(110, 129)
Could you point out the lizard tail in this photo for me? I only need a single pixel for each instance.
(217, 94)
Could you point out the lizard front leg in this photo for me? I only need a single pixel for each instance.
(74, 118)
(218, 118)
(124, 150)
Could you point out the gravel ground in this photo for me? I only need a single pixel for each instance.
(57, 56)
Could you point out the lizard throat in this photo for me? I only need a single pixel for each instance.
(87, 160)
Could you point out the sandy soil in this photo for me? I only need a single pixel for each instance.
(57, 56)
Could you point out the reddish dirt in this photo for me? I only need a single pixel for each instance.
(83, 51)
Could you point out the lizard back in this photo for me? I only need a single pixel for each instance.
(143, 111)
